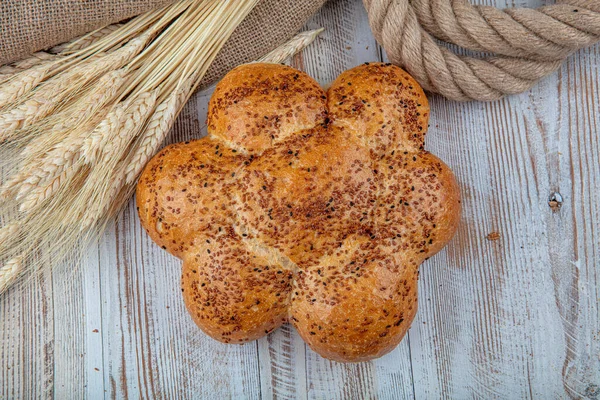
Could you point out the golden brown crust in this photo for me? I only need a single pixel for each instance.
(288, 213)
(259, 105)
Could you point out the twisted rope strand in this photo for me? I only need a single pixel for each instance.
(525, 44)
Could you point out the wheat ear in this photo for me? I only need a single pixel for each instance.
(295, 45)
(48, 97)
(112, 131)
(122, 56)
(55, 169)
(6, 232)
(66, 151)
(60, 164)
(84, 41)
(9, 272)
(104, 91)
(156, 131)
(113, 148)
(32, 61)
(103, 133)
(137, 114)
(43, 165)
(88, 107)
(33, 109)
(21, 84)
(98, 65)
(25, 81)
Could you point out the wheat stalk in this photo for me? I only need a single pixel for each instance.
(96, 212)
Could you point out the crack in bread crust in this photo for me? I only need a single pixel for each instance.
(274, 255)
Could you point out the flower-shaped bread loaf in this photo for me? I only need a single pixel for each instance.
(306, 207)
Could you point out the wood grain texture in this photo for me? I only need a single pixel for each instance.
(507, 316)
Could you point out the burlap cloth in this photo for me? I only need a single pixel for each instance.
(27, 26)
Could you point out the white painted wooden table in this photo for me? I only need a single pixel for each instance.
(516, 317)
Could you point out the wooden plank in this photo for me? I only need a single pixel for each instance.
(505, 318)
(27, 340)
(576, 268)
(78, 355)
